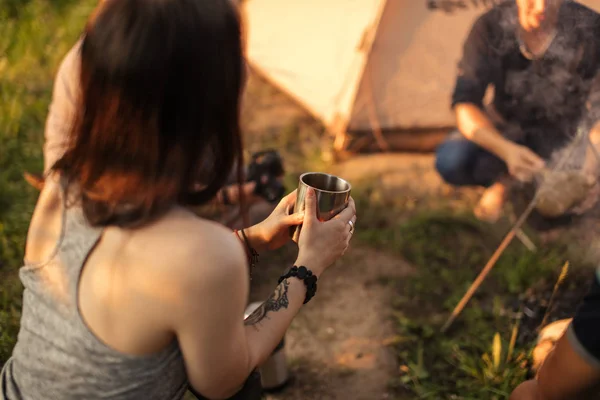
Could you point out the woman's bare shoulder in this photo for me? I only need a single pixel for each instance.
(191, 249)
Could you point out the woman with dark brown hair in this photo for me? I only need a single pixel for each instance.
(128, 295)
(262, 190)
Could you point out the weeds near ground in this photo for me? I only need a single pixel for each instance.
(481, 356)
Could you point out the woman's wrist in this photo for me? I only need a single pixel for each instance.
(308, 278)
(255, 238)
(311, 263)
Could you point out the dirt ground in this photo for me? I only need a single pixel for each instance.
(336, 346)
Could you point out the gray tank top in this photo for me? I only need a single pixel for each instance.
(58, 357)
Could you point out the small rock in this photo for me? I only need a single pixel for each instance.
(529, 312)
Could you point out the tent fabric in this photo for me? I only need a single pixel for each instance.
(313, 49)
(371, 64)
(412, 67)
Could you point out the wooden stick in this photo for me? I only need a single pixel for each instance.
(504, 244)
(490, 264)
(526, 241)
(522, 236)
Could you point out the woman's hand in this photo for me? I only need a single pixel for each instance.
(322, 243)
(274, 232)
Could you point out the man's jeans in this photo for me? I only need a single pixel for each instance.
(461, 162)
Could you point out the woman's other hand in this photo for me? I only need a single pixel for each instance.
(274, 232)
(322, 243)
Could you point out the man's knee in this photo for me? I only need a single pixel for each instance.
(448, 167)
(452, 161)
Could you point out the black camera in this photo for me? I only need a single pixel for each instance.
(265, 168)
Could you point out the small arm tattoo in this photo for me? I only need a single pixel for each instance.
(275, 302)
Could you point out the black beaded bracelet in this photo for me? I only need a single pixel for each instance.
(305, 275)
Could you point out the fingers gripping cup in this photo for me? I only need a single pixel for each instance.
(332, 193)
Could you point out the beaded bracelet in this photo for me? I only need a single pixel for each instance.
(305, 275)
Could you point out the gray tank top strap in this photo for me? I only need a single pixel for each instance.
(56, 355)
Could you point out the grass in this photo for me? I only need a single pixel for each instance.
(480, 357)
(34, 36)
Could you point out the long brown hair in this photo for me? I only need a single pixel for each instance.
(157, 121)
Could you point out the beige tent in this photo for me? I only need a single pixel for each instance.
(364, 65)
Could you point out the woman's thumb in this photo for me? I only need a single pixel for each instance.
(310, 206)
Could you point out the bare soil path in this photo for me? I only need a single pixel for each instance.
(336, 346)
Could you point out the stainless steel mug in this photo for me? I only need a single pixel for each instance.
(333, 195)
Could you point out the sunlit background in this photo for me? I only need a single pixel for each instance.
(359, 88)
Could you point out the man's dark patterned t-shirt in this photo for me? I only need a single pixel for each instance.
(548, 98)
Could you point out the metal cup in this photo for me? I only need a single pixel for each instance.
(332, 192)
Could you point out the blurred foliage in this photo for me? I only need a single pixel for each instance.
(34, 36)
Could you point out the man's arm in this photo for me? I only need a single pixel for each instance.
(565, 375)
(572, 369)
(474, 77)
(475, 73)
(476, 126)
(591, 165)
(479, 64)
(62, 108)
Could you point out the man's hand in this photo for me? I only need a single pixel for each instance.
(522, 163)
(476, 126)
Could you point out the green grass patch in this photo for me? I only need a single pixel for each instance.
(34, 36)
(480, 356)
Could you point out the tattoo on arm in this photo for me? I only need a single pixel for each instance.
(276, 301)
